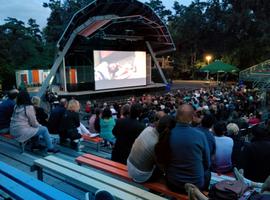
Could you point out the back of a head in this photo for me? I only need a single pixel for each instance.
(166, 122)
(106, 113)
(35, 100)
(97, 111)
(23, 98)
(260, 132)
(208, 121)
(73, 105)
(185, 114)
(12, 94)
(232, 129)
(125, 110)
(220, 128)
(135, 111)
(63, 102)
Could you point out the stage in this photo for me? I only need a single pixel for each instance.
(113, 93)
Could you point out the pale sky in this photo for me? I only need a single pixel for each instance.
(25, 9)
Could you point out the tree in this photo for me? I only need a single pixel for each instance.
(160, 10)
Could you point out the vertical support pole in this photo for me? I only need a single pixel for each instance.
(156, 62)
(40, 173)
(64, 75)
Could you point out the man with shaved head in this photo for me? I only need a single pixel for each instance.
(190, 155)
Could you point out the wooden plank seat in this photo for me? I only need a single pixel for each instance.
(10, 137)
(90, 180)
(20, 185)
(95, 140)
(121, 170)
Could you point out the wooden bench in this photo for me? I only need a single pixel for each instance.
(10, 137)
(121, 170)
(95, 140)
(89, 179)
(20, 185)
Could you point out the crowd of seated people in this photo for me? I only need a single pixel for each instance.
(214, 132)
(181, 136)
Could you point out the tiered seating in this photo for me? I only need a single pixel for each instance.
(20, 185)
(121, 170)
(7, 136)
(90, 180)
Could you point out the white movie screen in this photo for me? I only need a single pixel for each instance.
(117, 69)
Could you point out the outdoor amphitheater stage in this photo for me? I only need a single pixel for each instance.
(155, 87)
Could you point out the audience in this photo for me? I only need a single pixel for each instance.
(126, 130)
(206, 125)
(69, 124)
(41, 115)
(6, 110)
(94, 121)
(141, 160)
(185, 152)
(256, 154)
(56, 116)
(238, 142)
(107, 123)
(190, 155)
(222, 162)
(24, 124)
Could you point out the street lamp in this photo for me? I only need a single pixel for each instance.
(208, 58)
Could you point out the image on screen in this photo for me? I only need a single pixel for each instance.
(117, 69)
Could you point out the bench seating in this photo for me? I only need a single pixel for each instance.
(121, 170)
(10, 137)
(95, 140)
(90, 180)
(20, 185)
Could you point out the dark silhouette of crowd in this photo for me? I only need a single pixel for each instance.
(181, 136)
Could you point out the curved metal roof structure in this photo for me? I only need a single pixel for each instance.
(128, 20)
(113, 24)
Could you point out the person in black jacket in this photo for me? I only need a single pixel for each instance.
(255, 155)
(69, 124)
(126, 130)
(41, 115)
(6, 110)
(56, 116)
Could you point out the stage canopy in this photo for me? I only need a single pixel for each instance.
(127, 20)
(124, 25)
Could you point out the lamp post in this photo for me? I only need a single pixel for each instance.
(208, 58)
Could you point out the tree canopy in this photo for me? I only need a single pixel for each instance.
(235, 31)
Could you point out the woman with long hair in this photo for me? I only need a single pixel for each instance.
(24, 124)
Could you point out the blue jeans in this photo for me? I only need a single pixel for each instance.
(44, 133)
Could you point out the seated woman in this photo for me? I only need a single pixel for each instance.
(255, 155)
(24, 124)
(70, 123)
(94, 123)
(41, 115)
(141, 162)
(107, 123)
(222, 162)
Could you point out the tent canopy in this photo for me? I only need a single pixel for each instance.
(219, 66)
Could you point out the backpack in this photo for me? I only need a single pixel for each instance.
(227, 190)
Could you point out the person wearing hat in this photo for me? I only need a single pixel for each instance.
(6, 110)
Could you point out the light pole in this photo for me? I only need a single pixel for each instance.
(208, 58)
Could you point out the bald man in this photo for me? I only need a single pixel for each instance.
(190, 155)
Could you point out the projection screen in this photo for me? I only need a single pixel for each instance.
(118, 69)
